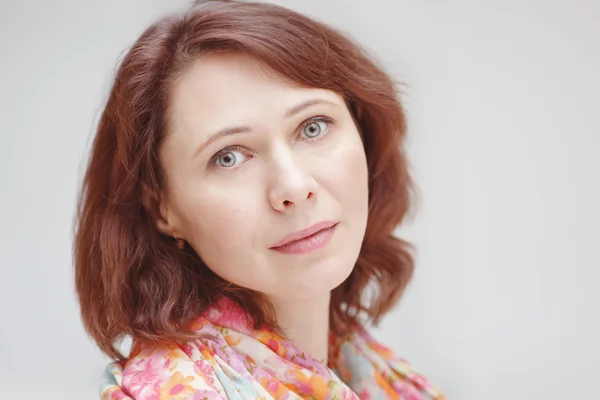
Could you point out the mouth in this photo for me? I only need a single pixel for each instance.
(307, 240)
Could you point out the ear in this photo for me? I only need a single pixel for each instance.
(162, 224)
(157, 209)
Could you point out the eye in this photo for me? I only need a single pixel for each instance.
(228, 157)
(315, 127)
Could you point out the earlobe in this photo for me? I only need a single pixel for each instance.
(163, 226)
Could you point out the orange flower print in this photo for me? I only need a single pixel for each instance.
(382, 350)
(177, 388)
(198, 323)
(174, 356)
(262, 364)
(276, 389)
(273, 341)
(233, 340)
(297, 381)
(319, 386)
(385, 385)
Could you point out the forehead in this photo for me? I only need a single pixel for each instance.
(228, 85)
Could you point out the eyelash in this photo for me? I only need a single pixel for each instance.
(328, 121)
(321, 118)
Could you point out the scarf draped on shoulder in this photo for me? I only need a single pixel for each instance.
(229, 360)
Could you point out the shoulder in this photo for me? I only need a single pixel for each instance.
(382, 364)
(160, 371)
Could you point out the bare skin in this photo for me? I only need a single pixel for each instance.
(286, 158)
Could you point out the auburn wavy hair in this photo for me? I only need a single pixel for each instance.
(131, 279)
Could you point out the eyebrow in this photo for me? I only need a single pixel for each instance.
(234, 130)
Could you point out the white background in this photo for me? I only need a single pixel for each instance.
(503, 100)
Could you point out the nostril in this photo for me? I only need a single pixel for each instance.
(310, 195)
(286, 203)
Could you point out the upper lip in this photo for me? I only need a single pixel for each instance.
(311, 230)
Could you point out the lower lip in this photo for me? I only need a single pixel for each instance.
(309, 244)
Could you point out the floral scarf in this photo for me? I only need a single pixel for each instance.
(232, 361)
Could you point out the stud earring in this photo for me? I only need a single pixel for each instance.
(180, 243)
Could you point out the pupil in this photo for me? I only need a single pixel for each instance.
(227, 159)
(313, 129)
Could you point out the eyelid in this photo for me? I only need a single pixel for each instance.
(213, 160)
(319, 118)
(212, 163)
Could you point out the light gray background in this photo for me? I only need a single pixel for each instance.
(503, 101)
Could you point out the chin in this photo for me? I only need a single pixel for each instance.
(326, 275)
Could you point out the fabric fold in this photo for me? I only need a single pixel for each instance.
(230, 360)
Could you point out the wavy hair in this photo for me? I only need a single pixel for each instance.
(131, 279)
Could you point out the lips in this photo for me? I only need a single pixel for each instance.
(304, 233)
(307, 240)
(308, 244)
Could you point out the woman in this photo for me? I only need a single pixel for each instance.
(237, 213)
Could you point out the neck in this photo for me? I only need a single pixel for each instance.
(305, 323)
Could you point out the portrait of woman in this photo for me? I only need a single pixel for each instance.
(237, 214)
(299, 199)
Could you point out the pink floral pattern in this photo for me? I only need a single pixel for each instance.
(230, 360)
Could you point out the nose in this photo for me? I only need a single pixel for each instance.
(291, 185)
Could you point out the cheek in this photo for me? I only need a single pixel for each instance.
(346, 175)
(222, 228)
(349, 185)
(357, 176)
(356, 187)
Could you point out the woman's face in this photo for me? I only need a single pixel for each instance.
(249, 161)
